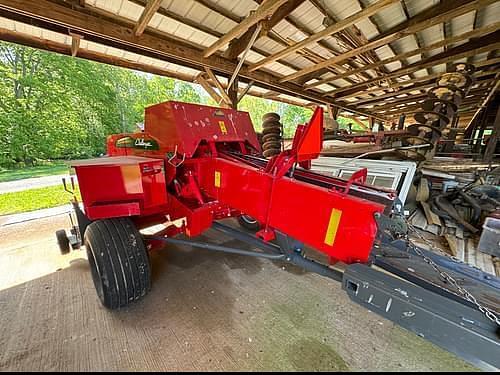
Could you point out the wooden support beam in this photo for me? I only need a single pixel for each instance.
(424, 86)
(451, 40)
(493, 140)
(59, 18)
(378, 42)
(210, 90)
(148, 13)
(245, 90)
(75, 43)
(202, 27)
(425, 79)
(263, 11)
(232, 91)
(358, 121)
(62, 48)
(485, 44)
(237, 46)
(219, 86)
(341, 25)
(242, 60)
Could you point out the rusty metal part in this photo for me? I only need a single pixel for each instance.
(272, 139)
(417, 129)
(440, 108)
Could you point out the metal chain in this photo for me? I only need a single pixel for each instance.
(446, 277)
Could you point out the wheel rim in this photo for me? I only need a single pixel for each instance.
(94, 270)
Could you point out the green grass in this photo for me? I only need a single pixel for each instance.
(34, 199)
(38, 171)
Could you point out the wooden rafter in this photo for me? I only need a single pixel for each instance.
(60, 18)
(485, 44)
(339, 26)
(468, 35)
(216, 82)
(265, 10)
(430, 83)
(202, 27)
(381, 41)
(148, 13)
(237, 46)
(210, 90)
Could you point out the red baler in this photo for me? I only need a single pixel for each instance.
(194, 165)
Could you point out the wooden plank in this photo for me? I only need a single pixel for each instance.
(432, 218)
(266, 9)
(496, 263)
(336, 27)
(245, 91)
(452, 242)
(439, 18)
(471, 252)
(489, 266)
(461, 250)
(148, 13)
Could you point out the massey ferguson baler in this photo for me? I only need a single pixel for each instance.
(194, 165)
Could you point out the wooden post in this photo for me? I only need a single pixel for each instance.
(75, 43)
(401, 122)
(492, 142)
(232, 92)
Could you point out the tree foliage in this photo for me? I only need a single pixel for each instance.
(58, 107)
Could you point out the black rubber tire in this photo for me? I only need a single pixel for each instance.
(118, 260)
(63, 241)
(249, 223)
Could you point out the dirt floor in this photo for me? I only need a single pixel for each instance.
(206, 311)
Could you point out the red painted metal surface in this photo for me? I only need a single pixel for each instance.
(182, 127)
(197, 168)
(121, 186)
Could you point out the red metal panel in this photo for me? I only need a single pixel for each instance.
(239, 186)
(183, 126)
(304, 212)
(113, 210)
(111, 181)
(301, 210)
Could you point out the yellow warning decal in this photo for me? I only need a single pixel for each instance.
(217, 179)
(333, 225)
(222, 127)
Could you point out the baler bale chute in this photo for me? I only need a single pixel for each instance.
(195, 165)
